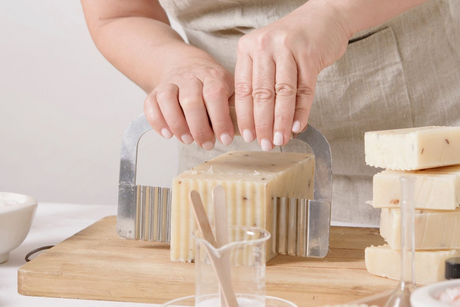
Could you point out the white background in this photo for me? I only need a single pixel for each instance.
(64, 108)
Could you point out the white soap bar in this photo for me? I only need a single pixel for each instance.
(435, 188)
(413, 148)
(432, 229)
(429, 265)
(251, 180)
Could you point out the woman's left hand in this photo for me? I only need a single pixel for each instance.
(277, 68)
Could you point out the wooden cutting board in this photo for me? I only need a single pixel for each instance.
(96, 264)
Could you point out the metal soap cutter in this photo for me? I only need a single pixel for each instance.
(301, 225)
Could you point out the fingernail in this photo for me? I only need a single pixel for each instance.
(187, 138)
(166, 133)
(225, 139)
(208, 145)
(248, 136)
(266, 145)
(278, 139)
(296, 126)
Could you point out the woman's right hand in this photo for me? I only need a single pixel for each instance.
(191, 102)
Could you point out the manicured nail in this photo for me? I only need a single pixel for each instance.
(225, 139)
(278, 139)
(187, 138)
(208, 145)
(166, 133)
(266, 145)
(248, 136)
(296, 126)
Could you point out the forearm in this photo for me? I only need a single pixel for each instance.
(365, 14)
(142, 46)
(358, 15)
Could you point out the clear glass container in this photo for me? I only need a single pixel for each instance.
(401, 295)
(270, 301)
(244, 257)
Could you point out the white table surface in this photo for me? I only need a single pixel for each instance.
(53, 223)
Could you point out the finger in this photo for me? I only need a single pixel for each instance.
(154, 117)
(306, 82)
(167, 98)
(191, 101)
(263, 84)
(285, 101)
(216, 94)
(243, 97)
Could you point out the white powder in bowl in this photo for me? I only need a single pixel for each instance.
(5, 203)
(451, 296)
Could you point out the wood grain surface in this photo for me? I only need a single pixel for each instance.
(96, 264)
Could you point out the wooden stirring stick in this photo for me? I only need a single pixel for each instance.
(221, 227)
(205, 228)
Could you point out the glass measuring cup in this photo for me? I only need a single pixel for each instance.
(244, 257)
(401, 295)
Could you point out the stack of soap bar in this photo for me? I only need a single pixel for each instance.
(432, 156)
(413, 148)
(433, 229)
(251, 180)
(429, 265)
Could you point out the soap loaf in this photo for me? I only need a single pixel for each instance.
(251, 180)
(413, 148)
(436, 188)
(429, 265)
(432, 229)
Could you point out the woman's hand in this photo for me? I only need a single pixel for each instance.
(191, 102)
(189, 90)
(277, 67)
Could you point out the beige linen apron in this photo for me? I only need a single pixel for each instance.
(404, 73)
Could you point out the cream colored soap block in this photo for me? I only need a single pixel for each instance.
(433, 229)
(413, 148)
(251, 180)
(435, 188)
(429, 265)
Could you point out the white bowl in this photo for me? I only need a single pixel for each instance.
(428, 296)
(17, 212)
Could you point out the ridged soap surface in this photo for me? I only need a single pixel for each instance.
(435, 188)
(251, 180)
(432, 229)
(429, 265)
(413, 148)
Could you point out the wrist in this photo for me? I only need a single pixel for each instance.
(332, 12)
(176, 56)
(356, 16)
